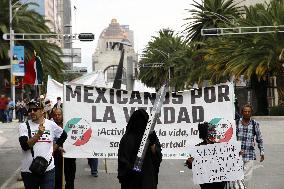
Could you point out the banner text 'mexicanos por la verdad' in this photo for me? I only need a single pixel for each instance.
(94, 95)
(96, 118)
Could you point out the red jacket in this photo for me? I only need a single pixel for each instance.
(3, 103)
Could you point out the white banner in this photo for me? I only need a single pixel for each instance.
(95, 118)
(217, 162)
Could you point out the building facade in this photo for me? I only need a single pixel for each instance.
(107, 55)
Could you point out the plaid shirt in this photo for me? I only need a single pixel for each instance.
(246, 135)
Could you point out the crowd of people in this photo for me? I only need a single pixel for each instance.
(42, 137)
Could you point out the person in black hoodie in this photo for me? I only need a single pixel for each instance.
(127, 152)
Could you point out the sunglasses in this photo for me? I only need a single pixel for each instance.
(33, 109)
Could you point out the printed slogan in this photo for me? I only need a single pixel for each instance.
(217, 162)
(95, 118)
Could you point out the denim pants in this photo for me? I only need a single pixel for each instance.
(45, 181)
(9, 115)
(93, 163)
(2, 116)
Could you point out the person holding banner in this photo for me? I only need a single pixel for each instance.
(206, 133)
(69, 163)
(128, 149)
(247, 131)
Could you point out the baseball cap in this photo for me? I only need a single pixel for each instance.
(36, 103)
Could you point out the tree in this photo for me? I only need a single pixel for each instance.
(165, 49)
(256, 56)
(210, 14)
(26, 20)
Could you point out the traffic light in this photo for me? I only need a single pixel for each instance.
(86, 37)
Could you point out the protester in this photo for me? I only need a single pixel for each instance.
(93, 163)
(3, 108)
(47, 108)
(58, 104)
(247, 131)
(10, 109)
(21, 110)
(128, 148)
(69, 163)
(206, 133)
(36, 138)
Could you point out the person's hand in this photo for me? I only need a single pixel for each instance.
(188, 162)
(41, 129)
(152, 138)
(241, 153)
(61, 150)
(261, 158)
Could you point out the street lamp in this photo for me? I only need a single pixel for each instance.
(167, 56)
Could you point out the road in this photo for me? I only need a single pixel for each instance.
(267, 175)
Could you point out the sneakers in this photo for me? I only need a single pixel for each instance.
(95, 174)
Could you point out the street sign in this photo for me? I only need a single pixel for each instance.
(86, 37)
(46, 36)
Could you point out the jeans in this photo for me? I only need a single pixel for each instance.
(32, 181)
(21, 115)
(9, 115)
(93, 163)
(3, 116)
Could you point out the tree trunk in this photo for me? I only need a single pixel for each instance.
(260, 89)
(280, 86)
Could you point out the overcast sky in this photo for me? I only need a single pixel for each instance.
(144, 17)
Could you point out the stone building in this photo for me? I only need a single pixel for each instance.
(107, 55)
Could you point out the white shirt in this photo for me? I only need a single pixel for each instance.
(44, 146)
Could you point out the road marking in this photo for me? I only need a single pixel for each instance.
(8, 181)
(181, 171)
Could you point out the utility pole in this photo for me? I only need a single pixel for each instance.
(12, 84)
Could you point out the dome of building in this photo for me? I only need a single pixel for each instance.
(114, 30)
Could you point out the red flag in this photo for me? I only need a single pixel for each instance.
(33, 72)
(30, 73)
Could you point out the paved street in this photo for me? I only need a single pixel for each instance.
(268, 175)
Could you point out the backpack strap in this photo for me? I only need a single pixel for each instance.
(30, 136)
(253, 127)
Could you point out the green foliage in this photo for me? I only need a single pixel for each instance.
(210, 14)
(277, 111)
(166, 48)
(26, 20)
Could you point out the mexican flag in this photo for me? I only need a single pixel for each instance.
(33, 72)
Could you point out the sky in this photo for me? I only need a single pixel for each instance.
(144, 17)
